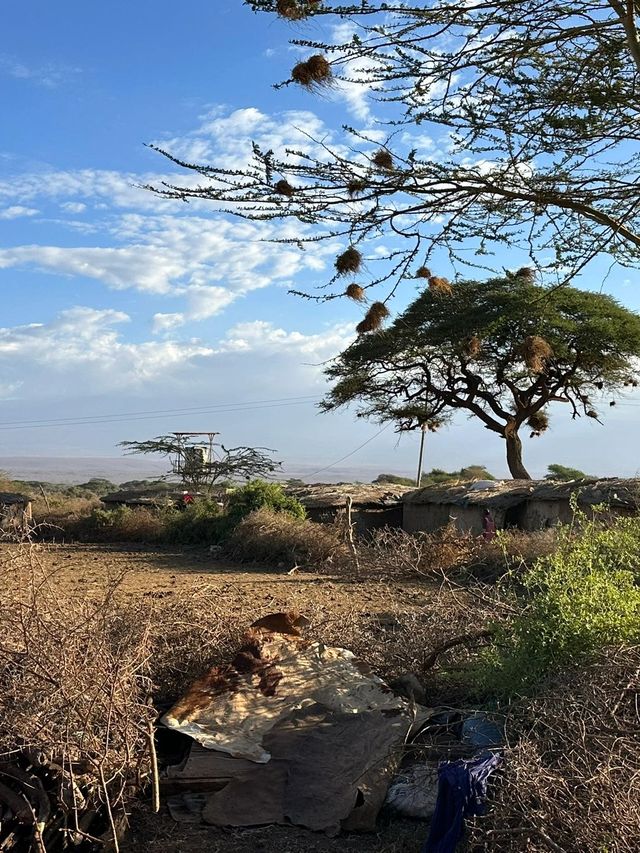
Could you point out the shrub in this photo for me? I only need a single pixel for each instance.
(120, 524)
(271, 538)
(201, 523)
(74, 692)
(572, 603)
(570, 776)
(261, 495)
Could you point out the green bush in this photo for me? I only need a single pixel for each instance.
(201, 523)
(120, 524)
(571, 604)
(261, 495)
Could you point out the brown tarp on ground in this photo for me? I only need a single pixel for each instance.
(314, 738)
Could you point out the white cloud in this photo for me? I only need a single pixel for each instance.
(85, 348)
(50, 75)
(227, 137)
(17, 210)
(113, 189)
(73, 207)
(210, 261)
(167, 322)
(263, 337)
(87, 344)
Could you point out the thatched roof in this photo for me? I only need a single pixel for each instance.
(502, 494)
(363, 495)
(9, 498)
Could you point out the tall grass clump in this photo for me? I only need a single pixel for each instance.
(569, 605)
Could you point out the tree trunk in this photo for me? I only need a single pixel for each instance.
(514, 456)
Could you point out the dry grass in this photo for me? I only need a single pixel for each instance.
(278, 538)
(440, 286)
(283, 187)
(473, 347)
(86, 520)
(536, 352)
(295, 10)
(539, 423)
(355, 292)
(373, 319)
(356, 186)
(74, 693)
(60, 511)
(570, 778)
(383, 160)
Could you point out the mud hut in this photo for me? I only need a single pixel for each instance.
(374, 506)
(523, 504)
(15, 512)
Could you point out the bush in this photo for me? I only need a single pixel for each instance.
(570, 776)
(81, 520)
(573, 603)
(261, 495)
(271, 538)
(201, 523)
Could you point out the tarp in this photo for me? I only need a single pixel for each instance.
(294, 732)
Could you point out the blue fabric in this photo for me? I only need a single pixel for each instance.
(481, 732)
(462, 787)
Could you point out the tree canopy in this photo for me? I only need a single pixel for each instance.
(437, 475)
(202, 472)
(501, 350)
(562, 472)
(509, 124)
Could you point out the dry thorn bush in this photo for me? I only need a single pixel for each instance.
(571, 774)
(74, 689)
(272, 538)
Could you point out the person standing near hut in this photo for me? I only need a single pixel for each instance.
(488, 526)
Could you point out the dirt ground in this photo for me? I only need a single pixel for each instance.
(247, 593)
(83, 569)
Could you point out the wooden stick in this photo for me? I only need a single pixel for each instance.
(155, 776)
(114, 831)
(463, 639)
(350, 539)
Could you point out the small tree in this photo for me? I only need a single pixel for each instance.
(202, 474)
(561, 472)
(501, 350)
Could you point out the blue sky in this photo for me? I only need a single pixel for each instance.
(119, 302)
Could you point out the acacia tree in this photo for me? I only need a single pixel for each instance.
(502, 350)
(200, 473)
(537, 107)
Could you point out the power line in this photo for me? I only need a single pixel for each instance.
(112, 420)
(207, 408)
(338, 461)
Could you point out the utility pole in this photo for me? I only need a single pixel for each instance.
(423, 432)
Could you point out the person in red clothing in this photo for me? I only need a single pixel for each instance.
(186, 499)
(488, 526)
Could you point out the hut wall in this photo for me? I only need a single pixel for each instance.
(364, 518)
(368, 519)
(540, 514)
(428, 517)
